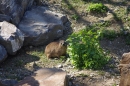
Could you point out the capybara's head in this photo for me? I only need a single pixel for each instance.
(63, 43)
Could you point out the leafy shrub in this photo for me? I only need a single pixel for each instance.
(85, 51)
(97, 7)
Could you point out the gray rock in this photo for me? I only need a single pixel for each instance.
(41, 2)
(11, 37)
(4, 17)
(70, 83)
(8, 82)
(15, 8)
(3, 53)
(41, 26)
(46, 77)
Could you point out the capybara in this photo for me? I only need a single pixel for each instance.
(56, 49)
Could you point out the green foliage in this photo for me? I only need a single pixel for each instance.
(69, 7)
(76, 1)
(83, 75)
(75, 17)
(127, 39)
(102, 73)
(97, 7)
(85, 51)
(104, 24)
(114, 84)
(120, 14)
(109, 34)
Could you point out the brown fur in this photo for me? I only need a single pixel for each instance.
(56, 49)
(124, 68)
(125, 58)
(125, 75)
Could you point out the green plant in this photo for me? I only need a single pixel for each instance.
(105, 24)
(109, 34)
(85, 51)
(70, 7)
(114, 84)
(97, 7)
(75, 17)
(102, 73)
(63, 58)
(127, 39)
(83, 75)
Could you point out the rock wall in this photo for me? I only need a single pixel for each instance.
(15, 9)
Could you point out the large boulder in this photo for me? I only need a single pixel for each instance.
(4, 17)
(45, 77)
(8, 82)
(39, 2)
(11, 37)
(41, 26)
(3, 53)
(15, 8)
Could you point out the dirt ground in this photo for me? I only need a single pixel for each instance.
(110, 75)
(116, 47)
(26, 61)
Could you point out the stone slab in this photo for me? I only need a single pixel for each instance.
(45, 77)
